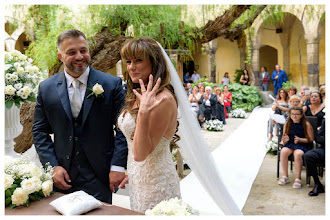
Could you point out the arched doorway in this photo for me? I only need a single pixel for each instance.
(268, 58)
(22, 43)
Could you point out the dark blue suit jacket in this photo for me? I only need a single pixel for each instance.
(53, 116)
(282, 77)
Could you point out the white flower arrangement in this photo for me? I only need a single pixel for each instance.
(172, 206)
(272, 145)
(214, 125)
(238, 113)
(21, 79)
(24, 181)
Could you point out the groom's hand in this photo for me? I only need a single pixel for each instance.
(60, 176)
(115, 179)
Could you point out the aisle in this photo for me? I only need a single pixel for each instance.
(238, 160)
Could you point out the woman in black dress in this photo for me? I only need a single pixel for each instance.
(315, 108)
(245, 79)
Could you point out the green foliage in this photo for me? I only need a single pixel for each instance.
(160, 22)
(237, 75)
(49, 21)
(286, 85)
(245, 97)
(205, 82)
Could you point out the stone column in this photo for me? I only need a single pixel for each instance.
(212, 48)
(178, 64)
(313, 62)
(255, 61)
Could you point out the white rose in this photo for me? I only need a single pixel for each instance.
(30, 60)
(9, 180)
(98, 89)
(20, 70)
(8, 76)
(35, 69)
(29, 69)
(7, 67)
(10, 90)
(17, 65)
(31, 185)
(18, 86)
(19, 197)
(26, 90)
(47, 187)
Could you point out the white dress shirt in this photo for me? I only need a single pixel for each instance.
(83, 78)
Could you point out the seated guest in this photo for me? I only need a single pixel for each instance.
(305, 95)
(190, 90)
(207, 103)
(315, 108)
(281, 107)
(322, 92)
(292, 91)
(315, 157)
(193, 99)
(295, 101)
(225, 79)
(227, 98)
(214, 89)
(186, 78)
(297, 135)
(220, 109)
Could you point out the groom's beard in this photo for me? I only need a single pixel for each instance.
(77, 69)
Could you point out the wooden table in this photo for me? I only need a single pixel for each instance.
(42, 207)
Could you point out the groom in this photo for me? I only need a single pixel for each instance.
(86, 154)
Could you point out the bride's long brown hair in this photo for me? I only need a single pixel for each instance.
(146, 48)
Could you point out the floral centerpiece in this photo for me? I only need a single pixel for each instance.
(173, 206)
(272, 145)
(24, 181)
(21, 79)
(214, 125)
(238, 113)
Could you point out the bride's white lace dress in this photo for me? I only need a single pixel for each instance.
(151, 180)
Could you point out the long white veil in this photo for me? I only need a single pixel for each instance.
(195, 151)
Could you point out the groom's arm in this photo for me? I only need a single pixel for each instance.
(120, 149)
(41, 130)
(119, 158)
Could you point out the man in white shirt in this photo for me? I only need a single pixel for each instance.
(195, 76)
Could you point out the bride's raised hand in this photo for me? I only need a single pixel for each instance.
(148, 99)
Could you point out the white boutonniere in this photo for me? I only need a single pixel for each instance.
(97, 90)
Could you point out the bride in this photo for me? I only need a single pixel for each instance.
(149, 123)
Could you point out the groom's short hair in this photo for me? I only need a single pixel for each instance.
(71, 33)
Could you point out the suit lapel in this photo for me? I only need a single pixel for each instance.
(62, 92)
(92, 80)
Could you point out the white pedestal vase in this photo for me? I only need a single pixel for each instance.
(13, 128)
